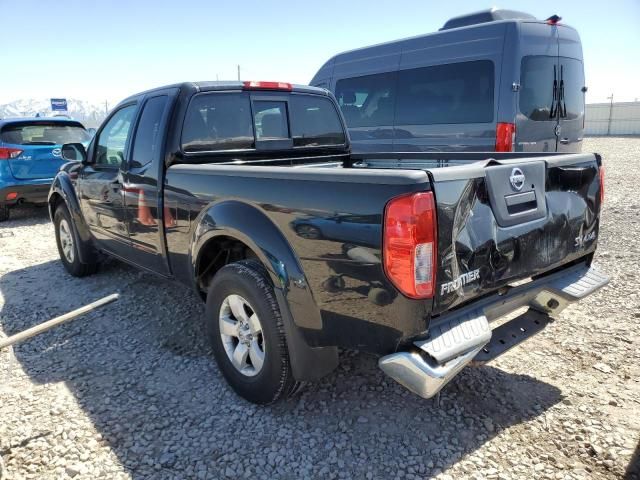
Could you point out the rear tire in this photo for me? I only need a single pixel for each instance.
(4, 213)
(245, 328)
(69, 243)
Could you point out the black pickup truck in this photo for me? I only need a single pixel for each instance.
(248, 192)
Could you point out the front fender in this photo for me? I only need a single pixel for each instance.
(63, 186)
(300, 313)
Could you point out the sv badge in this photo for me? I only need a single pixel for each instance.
(581, 240)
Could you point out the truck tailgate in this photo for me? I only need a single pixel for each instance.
(504, 219)
(501, 222)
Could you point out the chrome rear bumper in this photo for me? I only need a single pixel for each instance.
(457, 338)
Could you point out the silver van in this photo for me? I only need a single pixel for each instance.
(495, 80)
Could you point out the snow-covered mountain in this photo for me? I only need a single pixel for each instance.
(90, 114)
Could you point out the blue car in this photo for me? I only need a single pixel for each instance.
(30, 156)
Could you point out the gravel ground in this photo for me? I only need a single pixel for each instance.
(131, 391)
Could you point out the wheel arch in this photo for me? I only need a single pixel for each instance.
(63, 192)
(246, 227)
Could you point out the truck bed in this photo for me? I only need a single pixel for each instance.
(330, 211)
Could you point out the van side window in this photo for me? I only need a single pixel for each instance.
(367, 101)
(453, 93)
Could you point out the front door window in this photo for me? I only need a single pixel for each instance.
(112, 141)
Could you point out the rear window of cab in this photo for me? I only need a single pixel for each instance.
(223, 121)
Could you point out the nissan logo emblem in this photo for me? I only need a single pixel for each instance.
(517, 179)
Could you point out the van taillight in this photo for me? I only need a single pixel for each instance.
(409, 244)
(9, 153)
(601, 185)
(505, 137)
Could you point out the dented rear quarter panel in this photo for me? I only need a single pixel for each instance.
(214, 200)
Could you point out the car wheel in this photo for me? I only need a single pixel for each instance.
(245, 328)
(69, 244)
(309, 231)
(4, 213)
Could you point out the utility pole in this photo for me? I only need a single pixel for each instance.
(106, 107)
(238, 72)
(610, 114)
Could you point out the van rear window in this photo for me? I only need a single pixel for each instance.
(573, 77)
(536, 86)
(537, 77)
(220, 121)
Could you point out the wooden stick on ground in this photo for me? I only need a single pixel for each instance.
(43, 327)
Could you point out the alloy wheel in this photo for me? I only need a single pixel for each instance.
(241, 334)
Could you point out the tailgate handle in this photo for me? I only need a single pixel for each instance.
(521, 202)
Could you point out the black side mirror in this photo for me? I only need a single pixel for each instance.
(74, 152)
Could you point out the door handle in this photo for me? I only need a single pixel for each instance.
(564, 140)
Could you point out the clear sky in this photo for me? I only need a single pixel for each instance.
(108, 49)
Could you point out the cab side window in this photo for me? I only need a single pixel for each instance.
(112, 141)
(146, 145)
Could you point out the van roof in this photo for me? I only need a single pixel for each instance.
(482, 19)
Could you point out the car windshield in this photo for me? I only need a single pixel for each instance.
(44, 134)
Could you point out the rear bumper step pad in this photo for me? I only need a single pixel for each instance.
(512, 333)
(452, 338)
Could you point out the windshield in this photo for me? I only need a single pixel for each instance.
(44, 134)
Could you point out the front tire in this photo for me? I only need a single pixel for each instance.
(245, 328)
(69, 244)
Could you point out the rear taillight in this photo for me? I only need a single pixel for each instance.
(601, 185)
(505, 137)
(9, 153)
(253, 85)
(409, 244)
